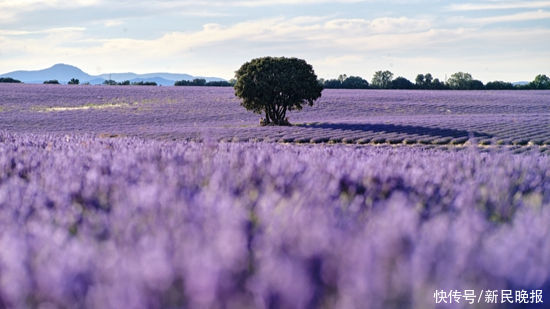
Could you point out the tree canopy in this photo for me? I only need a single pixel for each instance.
(457, 81)
(460, 80)
(424, 81)
(541, 82)
(9, 80)
(275, 85)
(499, 85)
(345, 82)
(355, 82)
(401, 83)
(203, 82)
(382, 79)
(464, 81)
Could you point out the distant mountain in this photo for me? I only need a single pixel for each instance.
(64, 72)
(119, 77)
(520, 83)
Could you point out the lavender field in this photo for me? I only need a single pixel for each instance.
(512, 118)
(174, 197)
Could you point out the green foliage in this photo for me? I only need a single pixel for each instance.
(523, 87)
(419, 80)
(342, 78)
(428, 79)
(345, 82)
(424, 81)
(331, 84)
(74, 81)
(355, 82)
(459, 80)
(9, 80)
(438, 85)
(402, 83)
(182, 83)
(464, 81)
(382, 79)
(541, 82)
(199, 81)
(476, 85)
(127, 82)
(142, 83)
(499, 85)
(221, 83)
(52, 81)
(276, 84)
(203, 82)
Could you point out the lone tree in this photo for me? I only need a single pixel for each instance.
(275, 85)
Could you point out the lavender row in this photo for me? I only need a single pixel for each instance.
(128, 222)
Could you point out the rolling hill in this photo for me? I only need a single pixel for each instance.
(64, 72)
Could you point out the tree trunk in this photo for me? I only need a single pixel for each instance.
(275, 115)
(267, 118)
(278, 117)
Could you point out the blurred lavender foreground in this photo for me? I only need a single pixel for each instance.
(131, 223)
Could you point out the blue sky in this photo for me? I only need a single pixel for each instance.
(493, 40)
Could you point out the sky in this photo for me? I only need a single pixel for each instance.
(505, 40)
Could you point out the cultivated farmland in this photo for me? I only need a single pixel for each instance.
(513, 118)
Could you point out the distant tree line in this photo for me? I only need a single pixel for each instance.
(380, 80)
(111, 82)
(457, 81)
(203, 82)
(345, 82)
(9, 80)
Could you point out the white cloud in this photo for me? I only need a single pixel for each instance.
(525, 16)
(12, 7)
(354, 46)
(112, 23)
(501, 5)
(43, 31)
(345, 36)
(9, 9)
(27, 5)
(255, 3)
(301, 36)
(335, 63)
(251, 3)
